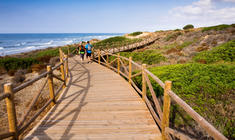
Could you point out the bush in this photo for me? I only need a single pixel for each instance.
(44, 56)
(114, 42)
(148, 56)
(49, 52)
(19, 76)
(135, 33)
(189, 26)
(12, 63)
(224, 52)
(216, 28)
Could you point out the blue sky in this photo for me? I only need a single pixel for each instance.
(108, 16)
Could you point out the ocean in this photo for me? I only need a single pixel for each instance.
(18, 43)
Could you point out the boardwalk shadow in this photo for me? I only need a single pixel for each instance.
(78, 73)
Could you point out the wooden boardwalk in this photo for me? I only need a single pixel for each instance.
(97, 104)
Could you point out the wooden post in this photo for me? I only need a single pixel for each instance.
(166, 109)
(61, 53)
(144, 88)
(130, 69)
(51, 86)
(99, 56)
(107, 60)
(68, 49)
(11, 112)
(62, 68)
(118, 63)
(66, 67)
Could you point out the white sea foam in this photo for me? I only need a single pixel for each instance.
(1, 48)
(49, 43)
(17, 45)
(68, 41)
(30, 47)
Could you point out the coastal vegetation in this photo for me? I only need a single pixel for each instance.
(12, 64)
(208, 89)
(217, 27)
(148, 56)
(222, 53)
(205, 80)
(113, 42)
(135, 33)
(189, 26)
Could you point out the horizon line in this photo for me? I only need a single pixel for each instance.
(68, 33)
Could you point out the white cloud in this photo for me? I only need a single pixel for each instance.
(202, 13)
(228, 0)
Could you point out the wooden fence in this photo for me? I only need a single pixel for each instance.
(160, 113)
(17, 128)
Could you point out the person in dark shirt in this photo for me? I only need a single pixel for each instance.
(82, 51)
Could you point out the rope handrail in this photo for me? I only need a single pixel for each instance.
(164, 118)
(15, 130)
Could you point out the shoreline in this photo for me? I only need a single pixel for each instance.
(28, 53)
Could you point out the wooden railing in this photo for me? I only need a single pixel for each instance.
(17, 128)
(136, 45)
(124, 67)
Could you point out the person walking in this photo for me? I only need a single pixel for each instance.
(82, 51)
(88, 51)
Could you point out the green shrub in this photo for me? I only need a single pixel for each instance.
(148, 56)
(224, 52)
(208, 89)
(114, 42)
(12, 63)
(44, 56)
(217, 27)
(49, 52)
(135, 33)
(189, 26)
